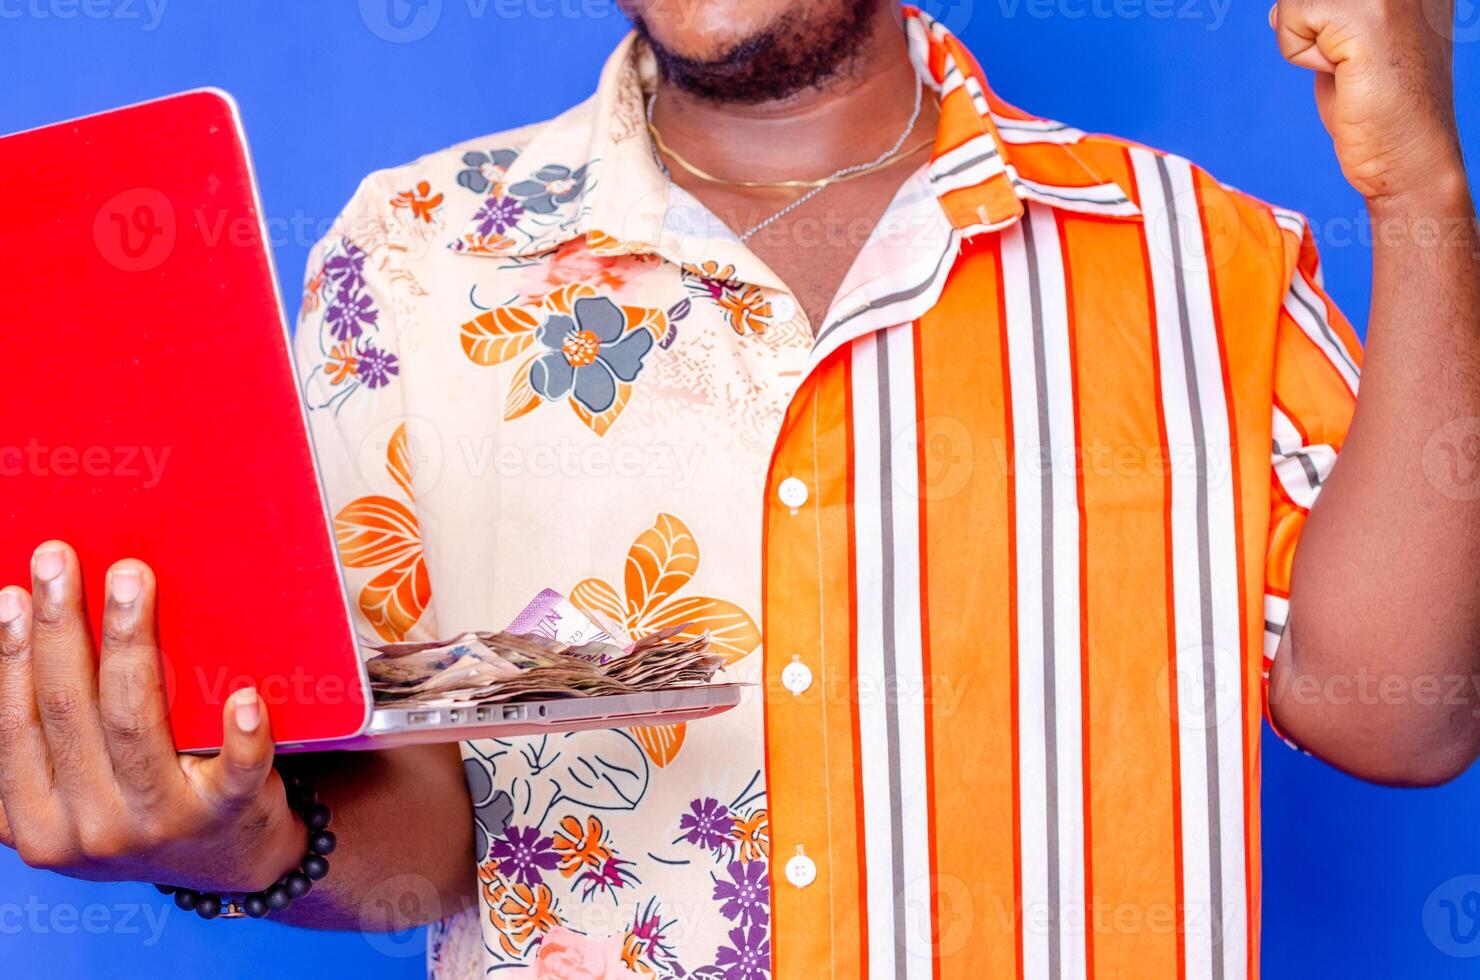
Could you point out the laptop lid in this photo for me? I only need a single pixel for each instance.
(149, 409)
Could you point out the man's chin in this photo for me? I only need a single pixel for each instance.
(803, 46)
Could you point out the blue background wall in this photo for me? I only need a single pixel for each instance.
(1353, 874)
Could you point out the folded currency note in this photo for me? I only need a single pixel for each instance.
(551, 650)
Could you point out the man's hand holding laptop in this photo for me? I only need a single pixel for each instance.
(91, 782)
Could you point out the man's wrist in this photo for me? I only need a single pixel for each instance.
(1441, 193)
(279, 854)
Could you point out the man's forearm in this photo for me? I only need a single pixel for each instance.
(405, 834)
(1384, 585)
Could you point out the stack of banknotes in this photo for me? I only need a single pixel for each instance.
(552, 650)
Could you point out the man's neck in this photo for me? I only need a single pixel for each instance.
(851, 118)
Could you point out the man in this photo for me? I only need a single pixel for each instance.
(977, 437)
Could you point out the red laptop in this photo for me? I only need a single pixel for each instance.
(149, 409)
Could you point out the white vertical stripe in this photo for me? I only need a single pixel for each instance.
(1294, 462)
(1059, 398)
(1192, 308)
(1308, 309)
(1276, 615)
(873, 722)
(909, 663)
(1028, 521)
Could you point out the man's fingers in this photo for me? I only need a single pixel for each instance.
(25, 767)
(131, 695)
(1296, 33)
(235, 778)
(65, 678)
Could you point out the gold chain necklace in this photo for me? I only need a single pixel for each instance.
(819, 183)
(890, 156)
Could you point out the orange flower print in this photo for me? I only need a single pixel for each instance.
(527, 914)
(343, 363)
(421, 202)
(746, 308)
(311, 293)
(633, 950)
(661, 562)
(581, 847)
(382, 533)
(477, 243)
(577, 346)
(711, 270)
(603, 244)
(752, 836)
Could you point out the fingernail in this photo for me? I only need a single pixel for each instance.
(10, 607)
(48, 562)
(248, 709)
(125, 584)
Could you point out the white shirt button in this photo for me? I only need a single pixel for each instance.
(783, 308)
(796, 676)
(801, 870)
(793, 493)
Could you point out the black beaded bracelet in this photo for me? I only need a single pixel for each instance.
(291, 886)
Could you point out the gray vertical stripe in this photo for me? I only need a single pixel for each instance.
(1312, 475)
(1204, 579)
(1045, 493)
(891, 703)
(1320, 317)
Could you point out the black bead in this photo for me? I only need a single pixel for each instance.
(185, 899)
(298, 885)
(322, 842)
(278, 898)
(165, 889)
(255, 905)
(316, 867)
(208, 906)
(302, 797)
(318, 817)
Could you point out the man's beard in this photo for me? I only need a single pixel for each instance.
(790, 55)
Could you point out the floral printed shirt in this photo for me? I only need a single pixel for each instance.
(503, 404)
(998, 518)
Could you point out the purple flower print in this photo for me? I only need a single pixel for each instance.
(522, 853)
(347, 269)
(498, 215)
(709, 825)
(747, 895)
(748, 956)
(349, 315)
(377, 367)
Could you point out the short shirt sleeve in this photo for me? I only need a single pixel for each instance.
(352, 379)
(1317, 365)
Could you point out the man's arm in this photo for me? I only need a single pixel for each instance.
(406, 839)
(92, 787)
(1384, 603)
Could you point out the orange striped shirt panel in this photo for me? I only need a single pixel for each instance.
(1055, 486)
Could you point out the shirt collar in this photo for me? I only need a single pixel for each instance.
(591, 172)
